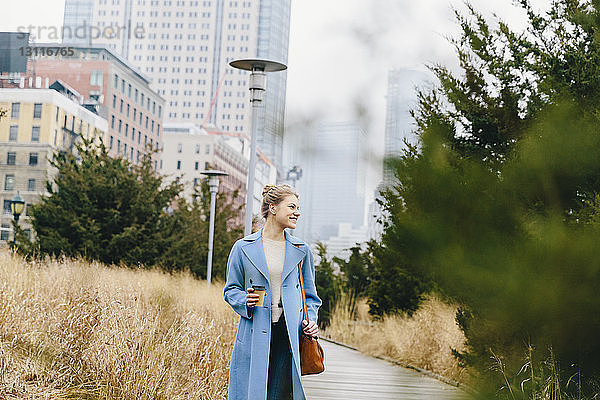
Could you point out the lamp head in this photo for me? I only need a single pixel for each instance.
(17, 205)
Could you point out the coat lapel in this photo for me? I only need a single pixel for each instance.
(293, 255)
(256, 254)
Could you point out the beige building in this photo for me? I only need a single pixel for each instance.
(189, 149)
(38, 122)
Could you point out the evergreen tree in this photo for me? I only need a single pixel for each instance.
(498, 201)
(327, 285)
(103, 208)
(187, 230)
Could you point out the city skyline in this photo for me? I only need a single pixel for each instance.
(340, 53)
(185, 46)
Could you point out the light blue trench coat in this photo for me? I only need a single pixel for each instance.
(247, 266)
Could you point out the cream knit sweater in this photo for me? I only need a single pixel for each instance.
(275, 255)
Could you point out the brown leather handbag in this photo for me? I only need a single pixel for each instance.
(311, 352)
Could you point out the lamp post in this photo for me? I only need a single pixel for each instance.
(17, 205)
(258, 81)
(213, 186)
(294, 174)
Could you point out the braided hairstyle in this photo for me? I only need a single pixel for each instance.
(274, 194)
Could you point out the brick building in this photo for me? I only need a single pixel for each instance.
(121, 94)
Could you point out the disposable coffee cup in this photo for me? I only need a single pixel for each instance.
(260, 291)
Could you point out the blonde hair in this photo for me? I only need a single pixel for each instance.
(274, 194)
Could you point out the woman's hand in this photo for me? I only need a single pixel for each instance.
(252, 298)
(310, 328)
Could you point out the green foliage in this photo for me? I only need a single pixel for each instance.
(394, 287)
(187, 229)
(328, 285)
(519, 248)
(103, 208)
(355, 275)
(3, 113)
(498, 204)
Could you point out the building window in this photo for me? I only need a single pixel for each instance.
(207, 149)
(128, 107)
(123, 86)
(33, 159)
(37, 110)
(139, 137)
(157, 129)
(11, 158)
(197, 149)
(4, 231)
(35, 134)
(31, 185)
(129, 90)
(112, 122)
(118, 145)
(120, 124)
(179, 147)
(152, 129)
(14, 132)
(111, 141)
(96, 78)
(125, 150)
(121, 107)
(206, 166)
(114, 101)
(9, 182)
(178, 164)
(6, 208)
(159, 111)
(196, 164)
(16, 107)
(116, 81)
(136, 98)
(126, 130)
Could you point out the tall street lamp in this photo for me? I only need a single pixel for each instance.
(213, 186)
(294, 174)
(258, 81)
(17, 205)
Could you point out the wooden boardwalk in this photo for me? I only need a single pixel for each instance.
(352, 375)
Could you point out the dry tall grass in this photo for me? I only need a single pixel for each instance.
(70, 330)
(424, 340)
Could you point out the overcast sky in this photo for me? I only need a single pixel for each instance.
(340, 51)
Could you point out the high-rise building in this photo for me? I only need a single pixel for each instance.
(39, 122)
(332, 188)
(399, 125)
(185, 47)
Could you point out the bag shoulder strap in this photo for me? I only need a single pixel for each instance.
(302, 287)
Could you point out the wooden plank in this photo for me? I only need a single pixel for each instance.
(352, 375)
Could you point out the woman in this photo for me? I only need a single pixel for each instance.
(265, 363)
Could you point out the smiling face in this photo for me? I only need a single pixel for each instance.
(286, 213)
